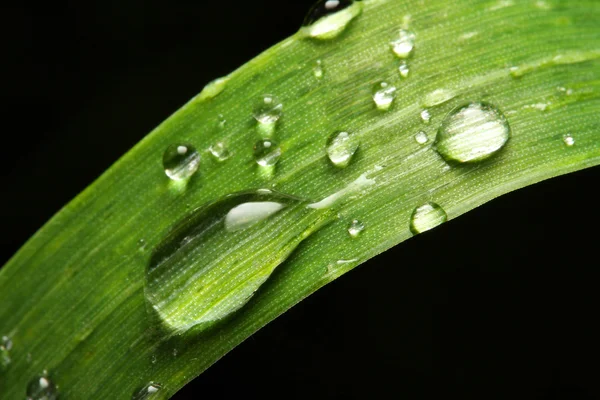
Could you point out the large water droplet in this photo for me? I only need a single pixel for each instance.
(5, 347)
(426, 217)
(266, 153)
(384, 95)
(356, 228)
(472, 132)
(219, 151)
(403, 44)
(341, 147)
(328, 18)
(569, 140)
(213, 261)
(268, 109)
(42, 388)
(148, 392)
(180, 161)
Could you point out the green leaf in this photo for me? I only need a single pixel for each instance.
(76, 296)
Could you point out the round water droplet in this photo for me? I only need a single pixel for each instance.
(425, 116)
(472, 132)
(42, 388)
(267, 153)
(341, 147)
(569, 140)
(403, 44)
(356, 228)
(147, 392)
(318, 69)
(5, 347)
(421, 138)
(426, 217)
(219, 151)
(328, 18)
(384, 95)
(180, 161)
(268, 109)
(403, 69)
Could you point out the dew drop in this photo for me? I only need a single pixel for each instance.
(147, 392)
(180, 161)
(341, 147)
(318, 69)
(427, 217)
(421, 138)
(327, 19)
(356, 228)
(5, 347)
(403, 69)
(266, 153)
(403, 44)
(213, 89)
(268, 109)
(472, 132)
(42, 388)
(216, 258)
(141, 244)
(569, 140)
(219, 151)
(425, 116)
(384, 95)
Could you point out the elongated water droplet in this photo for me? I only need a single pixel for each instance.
(403, 44)
(219, 151)
(148, 392)
(328, 18)
(267, 153)
(180, 161)
(472, 132)
(426, 217)
(421, 138)
(384, 95)
(569, 140)
(356, 228)
(425, 116)
(42, 388)
(5, 347)
(268, 109)
(341, 147)
(213, 261)
(213, 89)
(318, 69)
(403, 69)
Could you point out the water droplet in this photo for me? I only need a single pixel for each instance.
(141, 244)
(356, 228)
(268, 109)
(42, 388)
(219, 151)
(180, 161)
(404, 44)
(5, 347)
(147, 392)
(327, 19)
(213, 89)
(437, 97)
(267, 153)
(403, 69)
(384, 95)
(222, 121)
(341, 147)
(569, 140)
(421, 138)
(472, 132)
(425, 116)
(318, 69)
(214, 260)
(426, 217)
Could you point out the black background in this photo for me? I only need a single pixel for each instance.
(501, 303)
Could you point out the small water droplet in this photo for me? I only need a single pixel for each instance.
(403, 69)
(341, 147)
(472, 132)
(222, 121)
(327, 19)
(569, 140)
(268, 109)
(425, 116)
(147, 392)
(219, 151)
(180, 161)
(404, 44)
(384, 95)
(356, 228)
(42, 388)
(421, 138)
(153, 359)
(213, 89)
(141, 244)
(5, 347)
(267, 153)
(318, 69)
(437, 97)
(427, 217)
